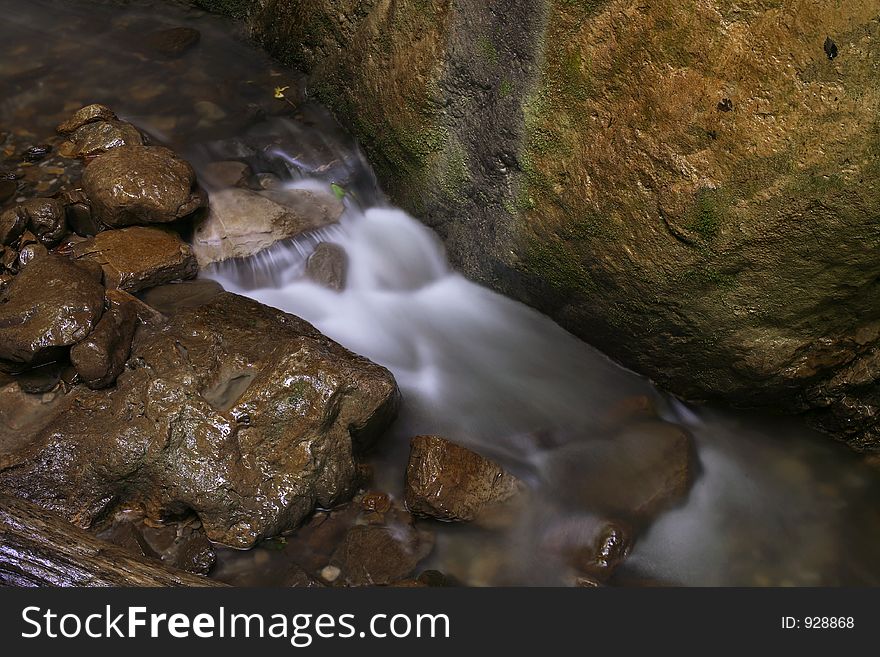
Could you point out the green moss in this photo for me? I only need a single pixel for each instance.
(454, 171)
(707, 214)
(505, 88)
(487, 50)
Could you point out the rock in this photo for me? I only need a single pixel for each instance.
(13, 223)
(50, 305)
(245, 415)
(138, 257)
(145, 314)
(374, 555)
(180, 545)
(141, 185)
(242, 223)
(36, 153)
(46, 219)
(328, 266)
(228, 173)
(634, 475)
(448, 482)
(101, 136)
(29, 253)
(87, 114)
(174, 297)
(733, 266)
(78, 212)
(100, 358)
(172, 42)
(593, 547)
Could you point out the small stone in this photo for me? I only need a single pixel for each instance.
(36, 153)
(328, 266)
(449, 482)
(102, 136)
(372, 554)
(87, 114)
(46, 219)
(330, 573)
(13, 223)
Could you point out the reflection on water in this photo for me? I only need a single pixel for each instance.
(773, 503)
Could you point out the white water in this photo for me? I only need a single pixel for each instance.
(489, 372)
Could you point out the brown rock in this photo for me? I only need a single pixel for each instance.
(374, 555)
(637, 473)
(87, 114)
(101, 136)
(46, 219)
(245, 415)
(593, 547)
(174, 297)
(100, 358)
(145, 314)
(227, 173)
(50, 305)
(450, 482)
(172, 42)
(138, 257)
(141, 185)
(241, 223)
(13, 223)
(328, 266)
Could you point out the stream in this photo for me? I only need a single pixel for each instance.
(773, 503)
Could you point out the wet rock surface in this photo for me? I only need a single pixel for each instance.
(241, 223)
(138, 257)
(243, 414)
(449, 482)
(101, 357)
(328, 266)
(98, 137)
(141, 185)
(49, 306)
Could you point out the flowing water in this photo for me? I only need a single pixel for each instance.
(773, 503)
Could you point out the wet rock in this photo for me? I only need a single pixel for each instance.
(593, 547)
(449, 482)
(374, 555)
(181, 545)
(241, 223)
(173, 42)
(101, 136)
(328, 266)
(100, 358)
(637, 473)
(78, 212)
(174, 297)
(46, 219)
(297, 577)
(138, 257)
(29, 253)
(141, 185)
(126, 534)
(36, 153)
(84, 115)
(241, 413)
(50, 305)
(228, 173)
(13, 223)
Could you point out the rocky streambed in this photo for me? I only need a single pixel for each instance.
(223, 352)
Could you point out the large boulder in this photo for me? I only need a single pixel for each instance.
(49, 306)
(141, 185)
(242, 223)
(690, 186)
(239, 412)
(138, 257)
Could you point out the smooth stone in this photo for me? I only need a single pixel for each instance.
(328, 266)
(100, 358)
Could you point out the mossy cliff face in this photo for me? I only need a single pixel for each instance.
(691, 185)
